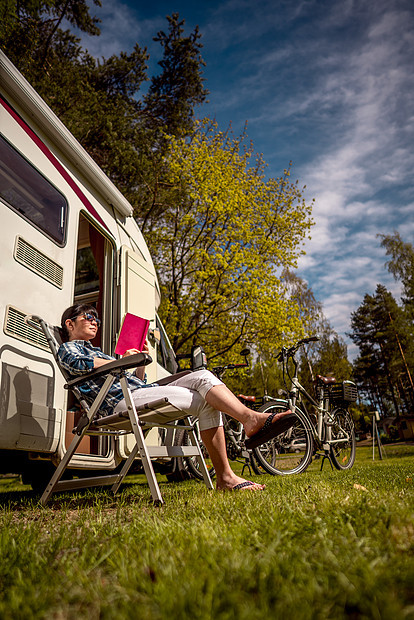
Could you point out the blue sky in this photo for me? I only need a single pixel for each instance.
(326, 84)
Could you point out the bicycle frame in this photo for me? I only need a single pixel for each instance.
(321, 431)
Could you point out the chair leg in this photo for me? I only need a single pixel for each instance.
(60, 469)
(76, 441)
(200, 459)
(139, 438)
(125, 469)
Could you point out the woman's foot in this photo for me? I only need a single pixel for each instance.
(271, 429)
(232, 482)
(256, 422)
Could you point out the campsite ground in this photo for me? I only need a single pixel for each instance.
(323, 544)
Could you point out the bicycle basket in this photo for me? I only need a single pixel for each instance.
(343, 393)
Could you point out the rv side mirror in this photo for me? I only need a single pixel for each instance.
(245, 352)
(198, 358)
(154, 335)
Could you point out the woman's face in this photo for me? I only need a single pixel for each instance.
(83, 327)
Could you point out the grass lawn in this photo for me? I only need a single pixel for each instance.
(318, 545)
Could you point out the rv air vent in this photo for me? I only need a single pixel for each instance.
(16, 327)
(38, 262)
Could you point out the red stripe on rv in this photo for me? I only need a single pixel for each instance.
(56, 164)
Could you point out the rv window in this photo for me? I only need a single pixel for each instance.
(26, 191)
(87, 273)
(165, 354)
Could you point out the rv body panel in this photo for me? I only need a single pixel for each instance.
(67, 234)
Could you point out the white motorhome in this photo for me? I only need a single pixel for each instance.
(67, 234)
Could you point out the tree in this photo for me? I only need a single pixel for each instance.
(223, 243)
(31, 29)
(168, 109)
(401, 265)
(380, 329)
(220, 233)
(178, 89)
(98, 99)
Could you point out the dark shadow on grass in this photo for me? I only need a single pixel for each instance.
(18, 500)
(135, 491)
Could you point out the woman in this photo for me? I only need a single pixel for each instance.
(198, 394)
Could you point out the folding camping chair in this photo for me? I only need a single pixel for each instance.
(116, 425)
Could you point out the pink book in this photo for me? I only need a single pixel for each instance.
(133, 333)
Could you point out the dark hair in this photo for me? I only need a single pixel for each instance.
(72, 313)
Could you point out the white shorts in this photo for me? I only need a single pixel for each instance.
(187, 393)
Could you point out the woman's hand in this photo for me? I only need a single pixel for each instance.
(131, 352)
(140, 371)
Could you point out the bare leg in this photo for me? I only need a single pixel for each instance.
(215, 443)
(222, 399)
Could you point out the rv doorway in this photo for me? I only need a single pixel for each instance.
(93, 285)
(93, 278)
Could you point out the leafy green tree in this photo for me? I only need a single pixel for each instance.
(223, 243)
(221, 233)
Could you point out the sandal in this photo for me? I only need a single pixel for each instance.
(270, 429)
(243, 485)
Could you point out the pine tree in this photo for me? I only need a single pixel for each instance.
(401, 265)
(381, 331)
(178, 89)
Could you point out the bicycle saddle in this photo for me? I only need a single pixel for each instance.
(325, 380)
(251, 399)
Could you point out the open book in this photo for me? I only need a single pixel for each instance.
(133, 333)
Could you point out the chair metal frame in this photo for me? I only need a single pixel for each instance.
(131, 421)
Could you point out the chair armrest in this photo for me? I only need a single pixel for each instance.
(167, 380)
(131, 361)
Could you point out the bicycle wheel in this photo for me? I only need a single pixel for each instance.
(291, 451)
(342, 430)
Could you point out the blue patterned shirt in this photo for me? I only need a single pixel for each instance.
(77, 357)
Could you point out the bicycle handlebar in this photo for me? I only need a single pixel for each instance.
(309, 339)
(292, 350)
(219, 370)
(230, 367)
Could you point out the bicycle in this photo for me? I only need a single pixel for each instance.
(328, 428)
(233, 432)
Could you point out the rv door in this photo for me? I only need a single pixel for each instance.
(138, 296)
(137, 292)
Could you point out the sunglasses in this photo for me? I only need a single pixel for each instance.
(88, 317)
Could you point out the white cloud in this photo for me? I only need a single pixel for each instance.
(360, 178)
(373, 157)
(346, 103)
